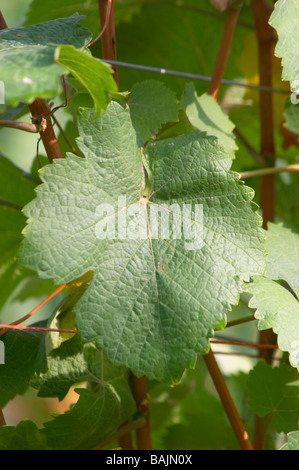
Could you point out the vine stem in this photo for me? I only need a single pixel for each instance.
(2, 419)
(20, 320)
(105, 25)
(108, 38)
(35, 328)
(209, 358)
(227, 402)
(23, 126)
(141, 397)
(272, 170)
(229, 29)
(3, 24)
(39, 110)
(243, 343)
(264, 33)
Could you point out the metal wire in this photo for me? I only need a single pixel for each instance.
(193, 76)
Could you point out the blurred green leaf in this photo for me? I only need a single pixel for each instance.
(270, 392)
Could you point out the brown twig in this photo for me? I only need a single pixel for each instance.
(231, 21)
(21, 320)
(35, 328)
(264, 34)
(105, 25)
(3, 24)
(2, 419)
(243, 343)
(40, 111)
(23, 126)
(141, 397)
(209, 358)
(108, 38)
(227, 402)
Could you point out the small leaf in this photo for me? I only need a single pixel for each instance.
(98, 412)
(70, 364)
(278, 309)
(151, 105)
(23, 358)
(293, 441)
(285, 20)
(24, 436)
(206, 115)
(16, 189)
(271, 392)
(94, 75)
(282, 243)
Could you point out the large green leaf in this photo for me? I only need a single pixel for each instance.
(28, 67)
(271, 391)
(278, 309)
(153, 300)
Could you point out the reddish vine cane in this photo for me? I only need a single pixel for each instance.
(209, 358)
(261, 12)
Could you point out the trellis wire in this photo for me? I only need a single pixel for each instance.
(193, 76)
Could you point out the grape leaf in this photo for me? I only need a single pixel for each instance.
(24, 436)
(152, 301)
(23, 357)
(291, 114)
(16, 189)
(98, 412)
(285, 19)
(293, 441)
(206, 115)
(278, 309)
(151, 105)
(69, 364)
(282, 242)
(27, 54)
(92, 73)
(270, 390)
